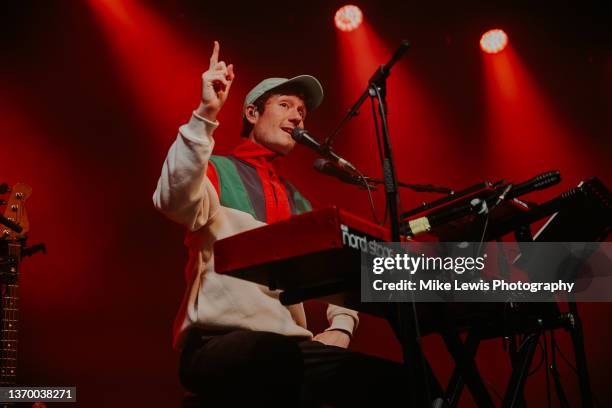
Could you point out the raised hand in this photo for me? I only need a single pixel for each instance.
(216, 83)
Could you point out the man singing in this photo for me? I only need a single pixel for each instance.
(239, 344)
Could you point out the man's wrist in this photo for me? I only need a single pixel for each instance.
(205, 112)
(348, 333)
(201, 118)
(344, 322)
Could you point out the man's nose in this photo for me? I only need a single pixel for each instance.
(295, 117)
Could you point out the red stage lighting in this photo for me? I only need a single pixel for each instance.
(348, 18)
(493, 41)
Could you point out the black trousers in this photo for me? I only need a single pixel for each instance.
(251, 368)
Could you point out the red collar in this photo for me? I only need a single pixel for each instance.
(255, 154)
(274, 193)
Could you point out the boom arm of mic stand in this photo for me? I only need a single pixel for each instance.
(383, 71)
(380, 75)
(427, 188)
(354, 111)
(419, 188)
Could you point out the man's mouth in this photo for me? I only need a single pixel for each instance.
(288, 130)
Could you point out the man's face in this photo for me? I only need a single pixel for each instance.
(273, 127)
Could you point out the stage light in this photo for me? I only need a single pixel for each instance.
(348, 18)
(493, 41)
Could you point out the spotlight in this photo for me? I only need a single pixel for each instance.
(493, 41)
(348, 18)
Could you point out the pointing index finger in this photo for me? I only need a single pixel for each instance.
(215, 56)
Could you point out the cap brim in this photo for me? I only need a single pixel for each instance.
(313, 91)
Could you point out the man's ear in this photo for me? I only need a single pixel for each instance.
(251, 114)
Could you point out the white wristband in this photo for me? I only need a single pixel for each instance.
(203, 119)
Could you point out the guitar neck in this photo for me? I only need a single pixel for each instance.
(12, 242)
(10, 318)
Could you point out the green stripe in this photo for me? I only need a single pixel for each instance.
(232, 192)
(302, 205)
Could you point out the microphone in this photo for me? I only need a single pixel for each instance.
(539, 182)
(385, 70)
(329, 168)
(426, 223)
(444, 215)
(302, 136)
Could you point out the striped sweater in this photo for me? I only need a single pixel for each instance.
(215, 197)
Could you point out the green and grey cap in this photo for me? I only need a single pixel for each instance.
(313, 91)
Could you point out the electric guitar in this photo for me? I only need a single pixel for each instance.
(14, 227)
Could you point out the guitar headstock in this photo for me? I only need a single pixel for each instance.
(15, 213)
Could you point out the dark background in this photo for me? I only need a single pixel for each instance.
(91, 95)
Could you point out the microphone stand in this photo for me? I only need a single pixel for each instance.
(406, 326)
(377, 87)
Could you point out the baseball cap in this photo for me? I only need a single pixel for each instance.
(313, 91)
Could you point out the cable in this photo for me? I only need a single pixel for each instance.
(484, 230)
(372, 206)
(379, 147)
(570, 365)
(535, 370)
(383, 116)
(365, 182)
(563, 356)
(495, 392)
(377, 130)
(563, 403)
(386, 215)
(547, 373)
(524, 341)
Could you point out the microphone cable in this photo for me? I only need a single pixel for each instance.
(369, 188)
